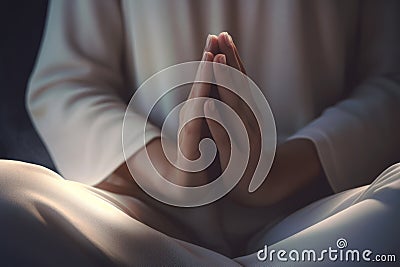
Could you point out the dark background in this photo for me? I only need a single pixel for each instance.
(22, 24)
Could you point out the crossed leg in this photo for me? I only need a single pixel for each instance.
(48, 221)
(367, 218)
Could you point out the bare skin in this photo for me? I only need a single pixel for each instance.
(205, 228)
(296, 165)
(296, 169)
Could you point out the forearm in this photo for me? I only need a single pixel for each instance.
(151, 161)
(121, 180)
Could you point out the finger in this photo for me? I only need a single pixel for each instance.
(204, 73)
(212, 44)
(243, 82)
(223, 76)
(190, 134)
(199, 89)
(242, 69)
(227, 47)
(239, 85)
(219, 134)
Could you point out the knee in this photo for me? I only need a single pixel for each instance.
(394, 169)
(386, 187)
(390, 175)
(16, 175)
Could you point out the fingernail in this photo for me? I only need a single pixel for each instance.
(222, 59)
(208, 43)
(228, 39)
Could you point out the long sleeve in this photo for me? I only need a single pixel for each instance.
(75, 95)
(360, 136)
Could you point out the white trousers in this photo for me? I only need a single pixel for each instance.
(48, 221)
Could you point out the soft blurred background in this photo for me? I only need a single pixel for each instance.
(22, 24)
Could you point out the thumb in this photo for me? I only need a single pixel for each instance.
(219, 134)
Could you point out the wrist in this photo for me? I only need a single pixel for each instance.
(121, 180)
(298, 157)
(296, 167)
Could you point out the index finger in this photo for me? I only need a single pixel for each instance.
(204, 73)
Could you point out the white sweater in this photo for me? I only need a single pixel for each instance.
(329, 69)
